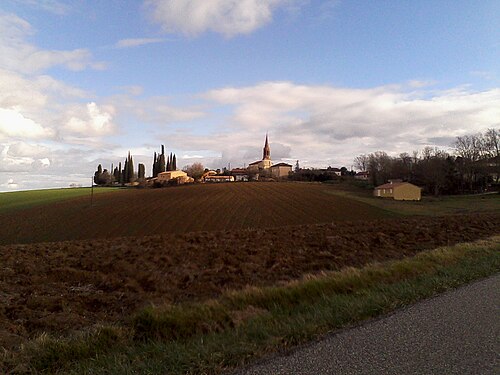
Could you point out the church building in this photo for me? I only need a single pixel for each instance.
(265, 163)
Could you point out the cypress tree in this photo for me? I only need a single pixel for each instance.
(131, 175)
(125, 172)
(141, 172)
(97, 174)
(174, 163)
(120, 173)
(161, 163)
(155, 168)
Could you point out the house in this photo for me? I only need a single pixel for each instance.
(335, 171)
(218, 178)
(280, 170)
(239, 174)
(180, 176)
(491, 167)
(362, 176)
(400, 191)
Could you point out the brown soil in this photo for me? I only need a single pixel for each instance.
(65, 286)
(182, 209)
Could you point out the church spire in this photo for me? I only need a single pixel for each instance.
(267, 151)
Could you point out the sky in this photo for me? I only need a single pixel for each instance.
(82, 82)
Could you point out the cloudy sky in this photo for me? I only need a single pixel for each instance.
(84, 81)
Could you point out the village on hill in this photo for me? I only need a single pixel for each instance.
(165, 172)
(474, 168)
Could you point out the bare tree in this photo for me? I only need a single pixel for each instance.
(469, 149)
(492, 142)
(380, 167)
(433, 169)
(492, 147)
(361, 162)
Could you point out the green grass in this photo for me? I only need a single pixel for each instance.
(26, 199)
(215, 335)
(431, 206)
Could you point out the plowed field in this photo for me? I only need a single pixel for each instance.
(180, 210)
(64, 286)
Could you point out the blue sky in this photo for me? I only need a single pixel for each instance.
(82, 82)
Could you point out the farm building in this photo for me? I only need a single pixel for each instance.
(281, 170)
(239, 174)
(400, 191)
(170, 175)
(362, 176)
(219, 179)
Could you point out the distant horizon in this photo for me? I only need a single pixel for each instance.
(82, 83)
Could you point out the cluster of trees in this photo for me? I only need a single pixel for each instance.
(127, 174)
(474, 163)
(120, 175)
(195, 170)
(162, 165)
(319, 175)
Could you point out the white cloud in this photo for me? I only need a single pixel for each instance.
(18, 55)
(484, 74)
(24, 157)
(136, 42)
(52, 6)
(14, 125)
(41, 107)
(154, 109)
(325, 125)
(133, 90)
(10, 184)
(90, 121)
(32, 94)
(420, 83)
(24, 149)
(227, 17)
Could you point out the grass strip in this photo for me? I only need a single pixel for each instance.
(228, 332)
(428, 206)
(18, 200)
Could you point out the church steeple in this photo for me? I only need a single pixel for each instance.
(267, 151)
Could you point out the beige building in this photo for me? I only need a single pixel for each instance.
(280, 170)
(400, 191)
(181, 176)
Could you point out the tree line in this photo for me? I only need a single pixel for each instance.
(127, 174)
(473, 165)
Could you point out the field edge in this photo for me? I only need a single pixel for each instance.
(243, 325)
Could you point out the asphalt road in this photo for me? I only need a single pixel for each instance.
(455, 333)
